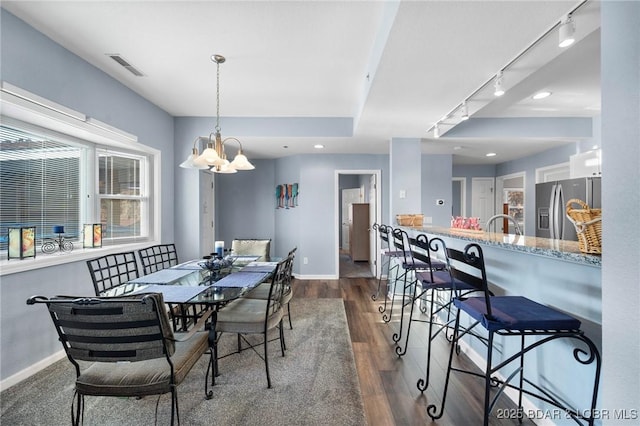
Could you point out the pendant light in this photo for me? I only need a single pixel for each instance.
(214, 156)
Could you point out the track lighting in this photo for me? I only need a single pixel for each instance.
(566, 32)
(499, 91)
(436, 131)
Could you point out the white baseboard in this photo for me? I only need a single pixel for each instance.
(31, 370)
(316, 277)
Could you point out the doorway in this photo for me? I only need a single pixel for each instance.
(510, 200)
(365, 184)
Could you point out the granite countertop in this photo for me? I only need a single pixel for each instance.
(558, 249)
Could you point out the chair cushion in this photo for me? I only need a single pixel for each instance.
(246, 316)
(262, 292)
(441, 281)
(416, 265)
(391, 253)
(150, 377)
(517, 313)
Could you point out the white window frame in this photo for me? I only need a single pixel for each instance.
(20, 107)
(144, 196)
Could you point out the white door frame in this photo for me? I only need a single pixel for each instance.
(336, 213)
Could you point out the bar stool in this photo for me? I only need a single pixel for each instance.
(513, 316)
(412, 262)
(387, 254)
(440, 285)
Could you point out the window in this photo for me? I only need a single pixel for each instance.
(46, 181)
(121, 194)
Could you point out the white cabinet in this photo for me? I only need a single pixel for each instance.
(359, 232)
(586, 164)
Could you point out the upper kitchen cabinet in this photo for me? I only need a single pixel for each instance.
(586, 164)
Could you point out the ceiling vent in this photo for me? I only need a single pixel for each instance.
(119, 59)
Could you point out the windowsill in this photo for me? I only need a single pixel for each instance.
(14, 266)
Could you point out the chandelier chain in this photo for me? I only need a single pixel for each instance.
(217, 97)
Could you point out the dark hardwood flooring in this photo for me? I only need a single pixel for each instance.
(388, 382)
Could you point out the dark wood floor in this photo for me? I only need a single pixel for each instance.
(388, 382)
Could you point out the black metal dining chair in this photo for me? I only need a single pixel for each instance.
(158, 257)
(262, 291)
(246, 316)
(124, 347)
(112, 270)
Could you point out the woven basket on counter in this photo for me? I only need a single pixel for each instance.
(409, 219)
(588, 223)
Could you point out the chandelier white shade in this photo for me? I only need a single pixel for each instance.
(190, 163)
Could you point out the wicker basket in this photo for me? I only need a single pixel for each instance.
(409, 219)
(588, 223)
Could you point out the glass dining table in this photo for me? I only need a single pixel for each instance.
(190, 287)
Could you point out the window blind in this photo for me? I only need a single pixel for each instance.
(39, 184)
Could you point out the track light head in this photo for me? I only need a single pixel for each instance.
(566, 32)
(464, 111)
(498, 89)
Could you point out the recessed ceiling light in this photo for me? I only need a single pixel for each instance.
(542, 95)
(491, 154)
(457, 148)
(318, 146)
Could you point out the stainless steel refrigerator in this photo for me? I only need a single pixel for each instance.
(551, 201)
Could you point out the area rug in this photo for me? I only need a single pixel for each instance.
(316, 383)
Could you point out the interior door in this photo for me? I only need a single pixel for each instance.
(349, 196)
(373, 240)
(482, 196)
(206, 213)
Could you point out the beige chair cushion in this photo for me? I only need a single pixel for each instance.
(251, 247)
(262, 292)
(141, 378)
(246, 316)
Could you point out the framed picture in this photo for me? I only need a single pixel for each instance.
(287, 195)
(22, 242)
(92, 235)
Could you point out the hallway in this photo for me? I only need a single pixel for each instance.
(351, 269)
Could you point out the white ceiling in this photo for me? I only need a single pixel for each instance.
(395, 68)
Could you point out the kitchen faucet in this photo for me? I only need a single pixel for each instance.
(504, 216)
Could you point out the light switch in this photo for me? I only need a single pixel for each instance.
(403, 193)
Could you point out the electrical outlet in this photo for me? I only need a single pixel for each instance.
(305, 260)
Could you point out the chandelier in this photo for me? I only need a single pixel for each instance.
(214, 156)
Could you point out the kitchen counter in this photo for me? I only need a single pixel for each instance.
(558, 249)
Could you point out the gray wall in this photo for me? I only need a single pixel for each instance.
(35, 63)
(436, 185)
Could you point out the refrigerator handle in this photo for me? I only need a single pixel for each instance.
(552, 213)
(560, 216)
